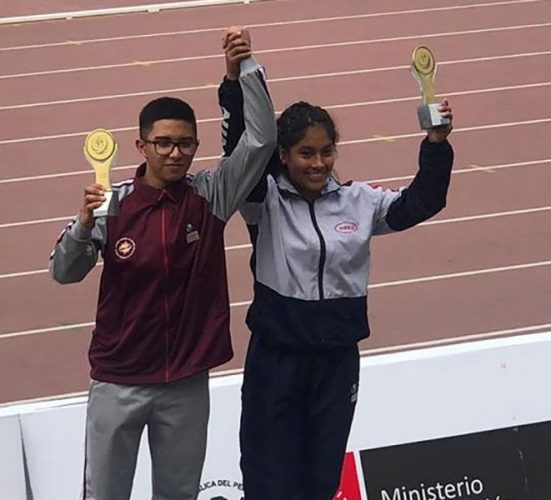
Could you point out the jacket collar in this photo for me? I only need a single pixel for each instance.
(174, 191)
(284, 184)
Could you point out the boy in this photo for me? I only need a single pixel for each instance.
(163, 310)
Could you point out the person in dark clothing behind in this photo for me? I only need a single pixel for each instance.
(311, 257)
(163, 312)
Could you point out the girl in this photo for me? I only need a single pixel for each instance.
(311, 239)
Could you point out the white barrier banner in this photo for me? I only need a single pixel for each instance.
(404, 399)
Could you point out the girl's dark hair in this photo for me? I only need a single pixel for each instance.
(298, 118)
(165, 108)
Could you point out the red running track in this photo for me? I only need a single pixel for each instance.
(481, 269)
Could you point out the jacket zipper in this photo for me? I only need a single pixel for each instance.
(322, 249)
(167, 274)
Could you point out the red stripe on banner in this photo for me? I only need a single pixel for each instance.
(350, 487)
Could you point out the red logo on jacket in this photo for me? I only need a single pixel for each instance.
(346, 227)
(124, 248)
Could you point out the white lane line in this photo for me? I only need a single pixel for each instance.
(278, 50)
(422, 279)
(524, 86)
(61, 328)
(131, 9)
(84, 172)
(454, 340)
(464, 274)
(23, 274)
(289, 79)
(80, 134)
(271, 24)
(407, 66)
(63, 218)
(395, 100)
(246, 246)
(469, 218)
(469, 170)
(456, 130)
(111, 96)
(34, 222)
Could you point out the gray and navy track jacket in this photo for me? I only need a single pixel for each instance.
(163, 309)
(311, 259)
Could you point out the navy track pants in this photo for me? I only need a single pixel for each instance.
(297, 411)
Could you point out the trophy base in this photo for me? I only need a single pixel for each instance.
(430, 117)
(110, 206)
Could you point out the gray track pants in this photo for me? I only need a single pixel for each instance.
(176, 416)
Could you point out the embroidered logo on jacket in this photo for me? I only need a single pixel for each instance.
(346, 227)
(124, 248)
(191, 234)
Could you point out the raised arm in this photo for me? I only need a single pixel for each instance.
(230, 100)
(76, 250)
(426, 195)
(240, 170)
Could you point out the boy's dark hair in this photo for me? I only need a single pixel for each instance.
(298, 118)
(165, 108)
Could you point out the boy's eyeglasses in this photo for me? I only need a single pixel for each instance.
(165, 147)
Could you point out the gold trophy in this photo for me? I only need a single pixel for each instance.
(100, 149)
(423, 69)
